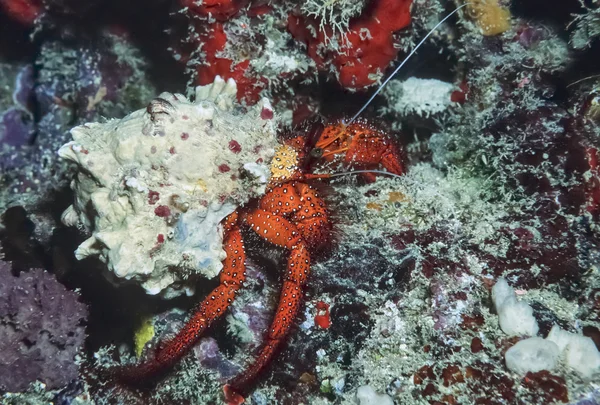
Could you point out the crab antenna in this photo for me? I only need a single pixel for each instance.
(402, 64)
(364, 171)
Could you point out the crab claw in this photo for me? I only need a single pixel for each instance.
(232, 397)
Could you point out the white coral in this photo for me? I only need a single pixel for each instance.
(515, 317)
(153, 187)
(423, 97)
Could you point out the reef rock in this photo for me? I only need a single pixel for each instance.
(153, 187)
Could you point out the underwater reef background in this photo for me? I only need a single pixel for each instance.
(498, 115)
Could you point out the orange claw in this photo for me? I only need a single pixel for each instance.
(362, 146)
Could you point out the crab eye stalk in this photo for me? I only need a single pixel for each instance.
(316, 152)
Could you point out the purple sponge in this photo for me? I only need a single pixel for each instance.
(41, 330)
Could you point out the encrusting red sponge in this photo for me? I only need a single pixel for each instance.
(366, 49)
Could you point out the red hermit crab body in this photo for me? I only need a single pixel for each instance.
(290, 215)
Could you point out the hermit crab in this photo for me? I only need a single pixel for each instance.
(290, 215)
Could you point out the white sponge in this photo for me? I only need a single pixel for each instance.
(533, 354)
(366, 395)
(515, 317)
(580, 352)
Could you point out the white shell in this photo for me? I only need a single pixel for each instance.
(193, 155)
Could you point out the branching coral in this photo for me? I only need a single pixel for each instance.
(334, 15)
(586, 26)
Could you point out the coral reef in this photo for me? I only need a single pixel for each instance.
(41, 330)
(67, 85)
(360, 54)
(498, 114)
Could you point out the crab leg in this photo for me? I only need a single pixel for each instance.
(279, 231)
(212, 307)
(390, 159)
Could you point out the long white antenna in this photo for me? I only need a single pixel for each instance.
(402, 64)
(365, 171)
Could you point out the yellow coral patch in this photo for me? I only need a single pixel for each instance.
(374, 206)
(143, 334)
(490, 16)
(396, 196)
(202, 185)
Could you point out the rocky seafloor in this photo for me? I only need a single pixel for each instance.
(498, 115)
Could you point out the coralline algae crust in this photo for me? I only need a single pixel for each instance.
(153, 187)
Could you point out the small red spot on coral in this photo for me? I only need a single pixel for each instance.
(162, 211)
(422, 374)
(261, 9)
(185, 136)
(220, 10)
(266, 114)
(235, 146)
(460, 95)
(160, 238)
(451, 375)
(457, 97)
(153, 197)
(322, 319)
(172, 150)
(185, 117)
(259, 160)
(473, 322)
(224, 168)
(523, 82)
(476, 345)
